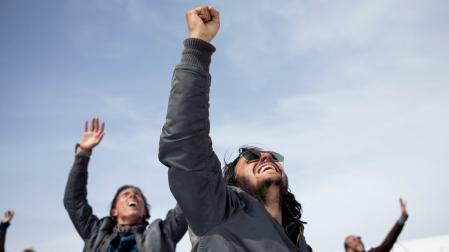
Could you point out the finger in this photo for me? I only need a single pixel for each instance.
(97, 124)
(92, 124)
(86, 125)
(215, 14)
(101, 137)
(194, 12)
(102, 127)
(201, 12)
(205, 15)
(198, 10)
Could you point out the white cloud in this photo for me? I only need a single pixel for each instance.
(355, 96)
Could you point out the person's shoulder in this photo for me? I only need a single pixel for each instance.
(106, 223)
(156, 223)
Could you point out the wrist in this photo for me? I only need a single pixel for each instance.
(197, 52)
(403, 219)
(205, 38)
(79, 150)
(4, 225)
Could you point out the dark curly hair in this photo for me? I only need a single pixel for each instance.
(124, 187)
(291, 208)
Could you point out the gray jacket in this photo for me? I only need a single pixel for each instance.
(159, 236)
(223, 218)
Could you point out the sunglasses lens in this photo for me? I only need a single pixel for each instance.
(276, 156)
(254, 155)
(250, 155)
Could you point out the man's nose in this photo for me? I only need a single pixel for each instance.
(266, 156)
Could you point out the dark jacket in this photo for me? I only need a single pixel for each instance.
(159, 236)
(223, 218)
(3, 227)
(391, 238)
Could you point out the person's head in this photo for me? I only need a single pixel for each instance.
(129, 206)
(256, 170)
(354, 244)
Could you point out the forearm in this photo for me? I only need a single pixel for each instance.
(187, 118)
(175, 224)
(185, 143)
(392, 236)
(3, 227)
(185, 147)
(75, 197)
(76, 187)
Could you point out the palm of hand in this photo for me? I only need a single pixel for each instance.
(90, 139)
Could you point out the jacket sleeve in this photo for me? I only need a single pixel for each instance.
(391, 238)
(3, 227)
(175, 224)
(194, 174)
(75, 198)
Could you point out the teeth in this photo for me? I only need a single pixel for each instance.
(132, 203)
(266, 168)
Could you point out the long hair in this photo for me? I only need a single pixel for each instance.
(146, 216)
(291, 208)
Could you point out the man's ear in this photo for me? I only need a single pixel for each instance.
(114, 212)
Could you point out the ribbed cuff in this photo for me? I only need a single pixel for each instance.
(4, 225)
(402, 219)
(198, 53)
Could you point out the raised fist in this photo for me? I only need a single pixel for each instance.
(203, 23)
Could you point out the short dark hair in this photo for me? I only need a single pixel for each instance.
(124, 187)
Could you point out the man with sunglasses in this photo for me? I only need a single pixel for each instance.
(354, 243)
(251, 209)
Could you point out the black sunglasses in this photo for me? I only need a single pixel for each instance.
(253, 154)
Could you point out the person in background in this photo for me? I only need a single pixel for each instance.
(6, 221)
(126, 228)
(354, 243)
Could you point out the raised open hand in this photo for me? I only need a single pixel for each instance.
(92, 137)
(8, 216)
(203, 23)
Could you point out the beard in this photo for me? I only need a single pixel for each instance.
(259, 191)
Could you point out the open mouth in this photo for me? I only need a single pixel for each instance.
(132, 204)
(267, 167)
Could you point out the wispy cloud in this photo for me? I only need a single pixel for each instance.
(353, 93)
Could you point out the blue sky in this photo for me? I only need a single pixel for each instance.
(354, 93)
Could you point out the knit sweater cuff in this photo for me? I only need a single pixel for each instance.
(198, 53)
(4, 225)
